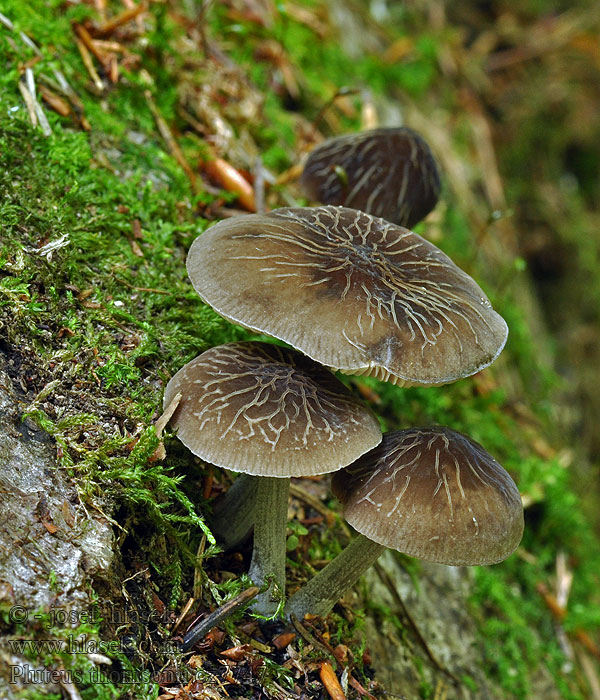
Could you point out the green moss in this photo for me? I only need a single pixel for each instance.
(517, 626)
(111, 315)
(61, 638)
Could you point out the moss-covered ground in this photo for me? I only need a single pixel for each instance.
(96, 311)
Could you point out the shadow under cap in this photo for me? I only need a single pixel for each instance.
(434, 494)
(352, 291)
(388, 172)
(265, 410)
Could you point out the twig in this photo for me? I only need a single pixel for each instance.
(36, 113)
(359, 688)
(591, 675)
(342, 92)
(564, 580)
(169, 139)
(289, 175)
(85, 37)
(137, 574)
(24, 38)
(58, 104)
(441, 690)
(560, 613)
(201, 629)
(6, 22)
(68, 91)
(565, 28)
(192, 121)
(41, 115)
(122, 18)
(321, 639)
(28, 99)
(139, 20)
(87, 62)
(32, 45)
(298, 492)
(307, 636)
(142, 289)
(184, 612)
(109, 46)
(61, 86)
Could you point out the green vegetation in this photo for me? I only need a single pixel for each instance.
(97, 312)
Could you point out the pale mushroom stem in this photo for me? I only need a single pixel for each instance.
(322, 592)
(268, 555)
(233, 517)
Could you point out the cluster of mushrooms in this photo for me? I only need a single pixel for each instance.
(351, 289)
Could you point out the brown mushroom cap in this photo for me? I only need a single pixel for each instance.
(384, 172)
(268, 411)
(434, 494)
(352, 291)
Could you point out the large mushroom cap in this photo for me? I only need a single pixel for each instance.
(434, 494)
(385, 172)
(352, 291)
(268, 411)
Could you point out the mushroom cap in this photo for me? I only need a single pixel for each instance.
(265, 410)
(384, 172)
(434, 494)
(352, 291)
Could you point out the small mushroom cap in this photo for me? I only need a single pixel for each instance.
(434, 494)
(352, 291)
(268, 411)
(384, 172)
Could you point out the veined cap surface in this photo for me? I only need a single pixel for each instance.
(385, 172)
(265, 410)
(349, 290)
(434, 494)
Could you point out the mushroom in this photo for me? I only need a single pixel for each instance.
(432, 493)
(352, 291)
(384, 172)
(232, 519)
(271, 412)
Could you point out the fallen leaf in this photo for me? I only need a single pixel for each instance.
(330, 681)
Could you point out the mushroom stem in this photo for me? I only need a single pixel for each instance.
(321, 593)
(233, 517)
(268, 555)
